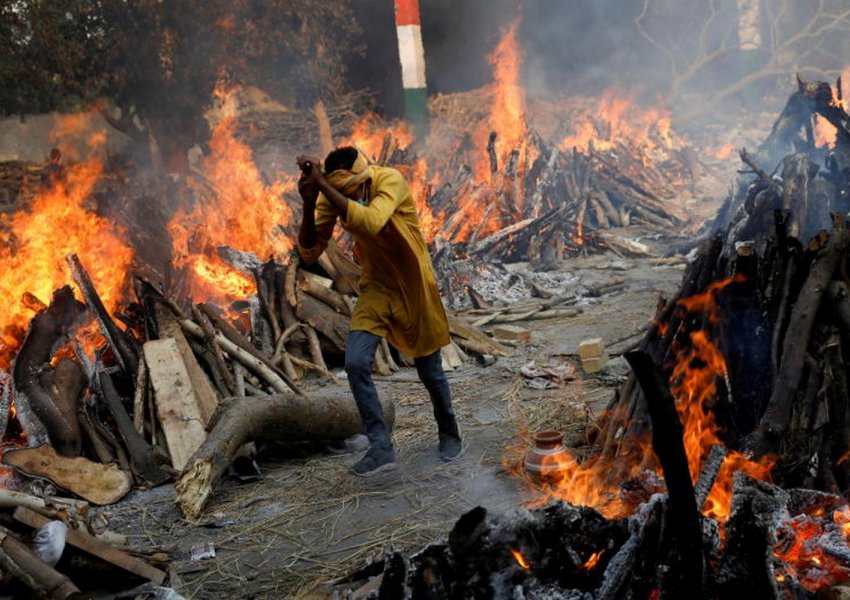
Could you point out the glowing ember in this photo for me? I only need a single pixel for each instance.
(520, 559)
(698, 367)
(591, 562)
(800, 547)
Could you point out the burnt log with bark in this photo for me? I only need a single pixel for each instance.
(49, 330)
(280, 417)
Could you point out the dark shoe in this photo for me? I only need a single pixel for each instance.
(375, 461)
(450, 447)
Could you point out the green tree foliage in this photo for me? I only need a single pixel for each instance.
(158, 61)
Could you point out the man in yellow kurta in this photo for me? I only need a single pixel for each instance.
(399, 298)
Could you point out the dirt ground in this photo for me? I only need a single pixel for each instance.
(308, 521)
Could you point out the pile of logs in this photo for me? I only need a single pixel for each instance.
(54, 547)
(553, 203)
(784, 323)
(180, 389)
(17, 178)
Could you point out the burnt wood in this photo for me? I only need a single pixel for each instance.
(48, 330)
(125, 351)
(142, 457)
(683, 530)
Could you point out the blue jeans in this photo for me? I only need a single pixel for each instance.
(359, 355)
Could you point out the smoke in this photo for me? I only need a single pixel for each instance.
(683, 52)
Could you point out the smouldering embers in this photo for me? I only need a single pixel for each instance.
(699, 365)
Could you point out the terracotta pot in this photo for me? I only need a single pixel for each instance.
(547, 455)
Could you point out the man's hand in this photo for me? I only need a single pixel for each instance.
(311, 176)
(308, 183)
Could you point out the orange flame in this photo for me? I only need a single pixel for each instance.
(618, 119)
(824, 130)
(591, 562)
(38, 237)
(244, 214)
(370, 133)
(721, 152)
(520, 559)
(507, 115)
(699, 366)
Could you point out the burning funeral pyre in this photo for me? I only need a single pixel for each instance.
(186, 295)
(720, 467)
(122, 382)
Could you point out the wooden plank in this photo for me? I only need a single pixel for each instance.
(94, 546)
(205, 393)
(177, 402)
(96, 482)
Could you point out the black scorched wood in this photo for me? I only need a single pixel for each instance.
(126, 353)
(683, 530)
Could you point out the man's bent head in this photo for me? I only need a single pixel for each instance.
(341, 158)
(347, 169)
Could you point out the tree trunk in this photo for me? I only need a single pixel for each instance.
(287, 417)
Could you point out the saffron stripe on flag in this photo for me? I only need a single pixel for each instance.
(407, 12)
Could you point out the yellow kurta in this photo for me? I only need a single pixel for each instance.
(399, 298)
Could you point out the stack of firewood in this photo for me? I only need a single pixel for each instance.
(778, 272)
(554, 202)
(15, 178)
(180, 385)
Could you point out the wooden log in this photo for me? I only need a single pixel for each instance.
(307, 365)
(289, 280)
(246, 354)
(21, 562)
(139, 396)
(106, 435)
(96, 482)
(330, 297)
(37, 409)
(125, 352)
(241, 420)
(264, 278)
(684, 531)
(95, 547)
(65, 384)
(101, 449)
(315, 347)
(284, 361)
(710, 470)
(142, 457)
(801, 321)
(328, 322)
(472, 338)
(347, 280)
(238, 347)
(209, 337)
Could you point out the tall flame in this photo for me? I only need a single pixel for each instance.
(243, 215)
(699, 366)
(38, 237)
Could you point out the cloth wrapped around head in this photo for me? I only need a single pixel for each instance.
(348, 181)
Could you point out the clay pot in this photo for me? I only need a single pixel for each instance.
(547, 456)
